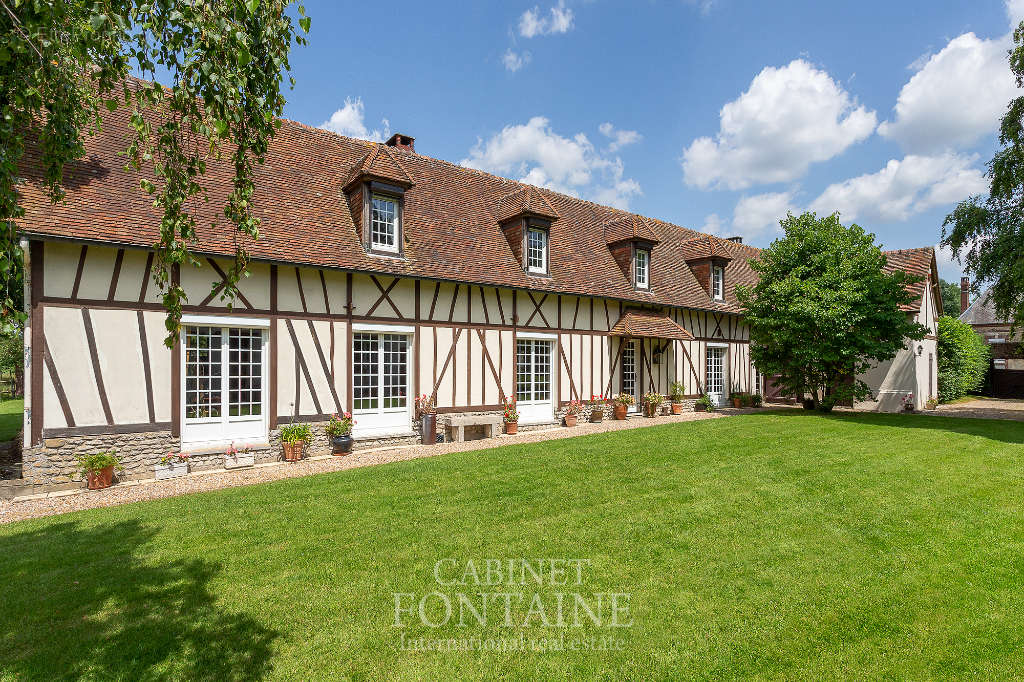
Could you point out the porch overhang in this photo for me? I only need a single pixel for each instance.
(637, 323)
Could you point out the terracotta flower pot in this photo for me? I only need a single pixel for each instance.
(700, 407)
(620, 411)
(737, 402)
(650, 409)
(511, 428)
(570, 419)
(341, 445)
(597, 415)
(104, 478)
(677, 408)
(293, 451)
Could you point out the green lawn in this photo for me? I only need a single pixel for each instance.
(11, 414)
(778, 544)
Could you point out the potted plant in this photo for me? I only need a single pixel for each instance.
(677, 390)
(511, 416)
(704, 404)
(426, 411)
(908, 402)
(651, 402)
(736, 398)
(597, 403)
(339, 430)
(172, 465)
(756, 400)
(622, 403)
(294, 438)
(236, 459)
(98, 469)
(572, 412)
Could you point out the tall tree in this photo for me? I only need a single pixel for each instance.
(950, 298)
(963, 359)
(987, 233)
(63, 62)
(824, 311)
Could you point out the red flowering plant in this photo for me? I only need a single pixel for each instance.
(598, 399)
(340, 425)
(511, 414)
(173, 458)
(425, 404)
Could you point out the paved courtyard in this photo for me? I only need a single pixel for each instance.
(985, 408)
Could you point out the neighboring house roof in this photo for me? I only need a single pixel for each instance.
(920, 262)
(450, 218)
(982, 311)
(649, 325)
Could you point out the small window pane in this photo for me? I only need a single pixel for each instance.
(641, 267)
(537, 250)
(384, 224)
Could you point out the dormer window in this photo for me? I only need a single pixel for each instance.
(642, 268)
(537, 251)
(718, 283)
(384, 224)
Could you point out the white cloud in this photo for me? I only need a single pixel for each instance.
(558, 20)
(903, 188)
(955, 97)
(760, 214)
(619, 138)
(534, 153)
(514, 61)
(1015, 11)
(712, 224)
(349, 121)
(789, 118)
(949, 269)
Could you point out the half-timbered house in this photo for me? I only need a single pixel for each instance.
(379, 274)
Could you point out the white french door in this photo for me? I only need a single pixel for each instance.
(533, 381)
(715, 374)
(380, 384)
(224, 397)
(629, 383)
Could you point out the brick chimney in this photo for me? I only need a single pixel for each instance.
(965, 289)
(402, 142)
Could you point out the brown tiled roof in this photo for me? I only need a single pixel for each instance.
(380, 163)
(706, 246)
(919, 262)
(525, 200)
(982, 311)
(451, 231)
(622, 228)
(649, 325)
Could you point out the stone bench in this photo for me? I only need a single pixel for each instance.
(455, 429)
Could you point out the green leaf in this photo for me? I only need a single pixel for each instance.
(97, 21)
(304, 23)
(243, 56)
(111, 104)
(252, 5)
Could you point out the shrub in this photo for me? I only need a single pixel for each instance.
(756, 400)
(705, 402)
(339, 425)
(963, 359)
(296, 433)
(625, 399)
(98, 462)
(677, 390)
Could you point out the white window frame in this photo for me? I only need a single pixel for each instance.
(542, 266)
(645, 256)
(380, 421)
(394, 225)
(718, 282)
(533, 410)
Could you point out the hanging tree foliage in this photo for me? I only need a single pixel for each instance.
(64, 62)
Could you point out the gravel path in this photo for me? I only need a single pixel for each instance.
(989, 408)
(137, 491)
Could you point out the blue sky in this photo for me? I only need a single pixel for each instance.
(713, 114)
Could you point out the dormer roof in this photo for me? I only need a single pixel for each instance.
(629, 228)
(522, 202)
(380, 163)
(704, 247)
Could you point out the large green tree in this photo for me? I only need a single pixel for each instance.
(987, 233)
(824, 310)
(963, 359)
(64, 62)
(950, 298)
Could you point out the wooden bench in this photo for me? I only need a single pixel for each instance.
(455, 429)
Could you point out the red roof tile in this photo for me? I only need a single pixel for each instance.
(649, 325)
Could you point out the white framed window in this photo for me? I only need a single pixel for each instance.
(533, 371)
(718, 282)
(224, 395)
(642, 268)
(384, 223)
(629, 370)
(380, 383)
(536, 250)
